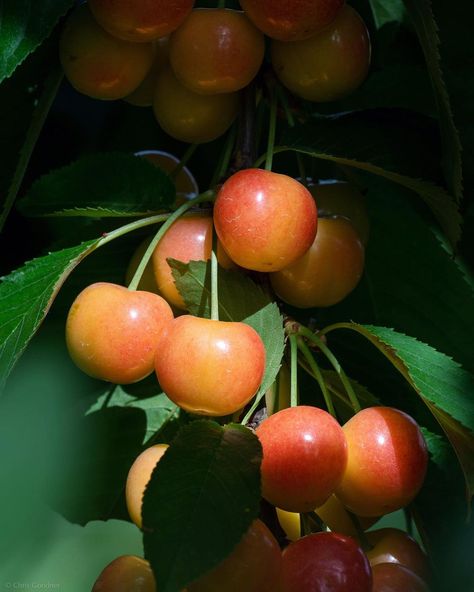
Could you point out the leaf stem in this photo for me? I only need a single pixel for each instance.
(183, 162)
(271, 132)
(294, 371)
(317, 374)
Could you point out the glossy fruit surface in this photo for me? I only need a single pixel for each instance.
(127, 573)
(97, 64)
(337, 198)
(137, 480)
(387, 460)
(140, 20)
(325, 562)
(143, 95)
(290, 21)
(254, 565)
(328, 271)
(191, 117)
(264, 220)
(329, 65)
(210, 367)
(216, 50)
(391, 545)
(112, 333)
(304, 457)
(392, 577)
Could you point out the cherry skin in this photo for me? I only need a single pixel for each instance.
(126, 573)
(112, 332)
(328, 271)
(393, 577)
(142, 96)
(387, 461)
(210, 367)
(329, 65)
(264, 220)
(191, 117)
(140, 20)
(304, 457)
(325, 562)
(138, 477)
(291, 21)
(254, 565)
(147, 281)
(216, 50)
(97, 64)
(391, 545)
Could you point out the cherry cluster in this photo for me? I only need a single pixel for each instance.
(191, 63)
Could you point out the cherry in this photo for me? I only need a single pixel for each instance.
(140, 20)
(330, 64)
(387, 461)
(254, 565)
(210, 367)
(264, 220)
(112, 333)
(191, 117)
(97, 64)
(393, 577)
(126, 573)
(304, 457)
(142, 96)
(290, 21)
(325, 562)
(138, 477)
(328, 271)
(216, 50)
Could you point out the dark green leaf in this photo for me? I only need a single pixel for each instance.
(24, 24)
(201, 499)
(387, 11)
(101, 185)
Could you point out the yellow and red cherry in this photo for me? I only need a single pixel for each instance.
(140, 20)
(127, 573)
(325, 562)
(291, 21)
(138, 477)
(142, 96)
(336, 517)
(216, 50)
(254, 565)
(210, 367)
(387, 461)
(329, 65)
(264, 220)
(191, 117)
(304, 457)
(327, 272)
(393, 577)
(112, 332)
(97, 64)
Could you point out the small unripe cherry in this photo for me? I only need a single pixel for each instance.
(127, 573)
(112, 333)
(137, 479)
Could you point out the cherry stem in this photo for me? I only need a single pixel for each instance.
(183, 162)
(311, 522)
(361, 535)
(224, 160)
(271, 132)
(283, 98)
(245, 148)
(356, 406)
(294, 371)
(169, 220)
(317, 374)
(214, 287)
(252, 409)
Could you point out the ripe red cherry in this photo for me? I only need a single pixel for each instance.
(112, 332)
(289, 21)
(216, 50)
(325, 562)
(387, 461)
(393, 577)
(304, 457)
(264, 220)
(140, 20)
(210, 367)
(126, 573)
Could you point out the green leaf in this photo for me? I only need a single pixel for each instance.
(442, 384)
(101, 185)
(256, 309)
(26, 296)
(24, 24)
(393, 144)
(201, 499)
(387, 11)
(423, 18)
